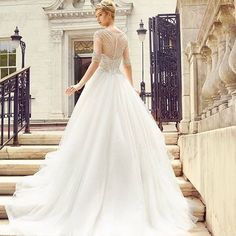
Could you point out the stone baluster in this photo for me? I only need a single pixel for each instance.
(222, 91)
(226, 73)
(232, 58)
(206, 97)
(209, 90)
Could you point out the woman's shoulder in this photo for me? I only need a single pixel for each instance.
(97, 33)
(104, 31)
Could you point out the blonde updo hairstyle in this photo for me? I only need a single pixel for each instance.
(107, 6)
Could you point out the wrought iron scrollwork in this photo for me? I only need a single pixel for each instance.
(14, 105)
(165, 68)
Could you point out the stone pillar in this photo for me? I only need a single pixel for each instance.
(189, 30)
(184, 123)
(56, 76)
(225, 70)
(194, 58)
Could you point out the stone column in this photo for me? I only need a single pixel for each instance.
(184, 123)
(194, 58)
(189, 30)
(226, 72)
(56, 75)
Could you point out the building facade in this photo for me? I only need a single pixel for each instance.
(57, 33)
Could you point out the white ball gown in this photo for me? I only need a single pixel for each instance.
(112, 174)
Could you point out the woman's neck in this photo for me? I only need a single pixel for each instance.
(110, 25)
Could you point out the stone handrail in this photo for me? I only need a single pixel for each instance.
(215, 47)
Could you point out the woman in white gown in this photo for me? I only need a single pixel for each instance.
(111, 175)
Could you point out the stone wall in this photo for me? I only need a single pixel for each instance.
(34, 27)
(209, 162)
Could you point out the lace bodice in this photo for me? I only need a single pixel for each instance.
(110, 47)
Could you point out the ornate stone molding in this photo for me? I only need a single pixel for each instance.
(56, 35)
(62, 9)
(191, 49)
(210, 17)
(181, 3)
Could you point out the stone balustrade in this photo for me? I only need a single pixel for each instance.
(212, 60)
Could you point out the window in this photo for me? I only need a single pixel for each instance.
(7, 58)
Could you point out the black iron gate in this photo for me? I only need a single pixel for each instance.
(164, 35)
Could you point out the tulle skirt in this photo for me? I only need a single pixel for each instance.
(110, 176)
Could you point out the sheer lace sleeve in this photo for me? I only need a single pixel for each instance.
(97, 47)
(126, 57)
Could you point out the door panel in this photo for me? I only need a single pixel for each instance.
(81, 65)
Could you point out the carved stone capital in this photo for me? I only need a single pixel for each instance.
(192, 49)
(211, 15)
(56, 35)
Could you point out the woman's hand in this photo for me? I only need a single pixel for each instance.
(73, 88)
(137, 92)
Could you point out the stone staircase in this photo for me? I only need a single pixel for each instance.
(16, 162)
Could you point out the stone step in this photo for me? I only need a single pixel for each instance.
(39, 151)
(26, 151)
(29, 167)
(7, 185)
(199, 207)
(200, 230)
(53, 137)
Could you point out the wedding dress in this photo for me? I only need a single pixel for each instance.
(111, 174)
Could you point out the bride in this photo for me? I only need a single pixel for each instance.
(111, 174)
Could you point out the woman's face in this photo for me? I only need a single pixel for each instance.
(103, 18)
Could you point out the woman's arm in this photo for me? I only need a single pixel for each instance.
(88, 74)
(128, 67)
(127, 64)
(128, 73)
(96, 58)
